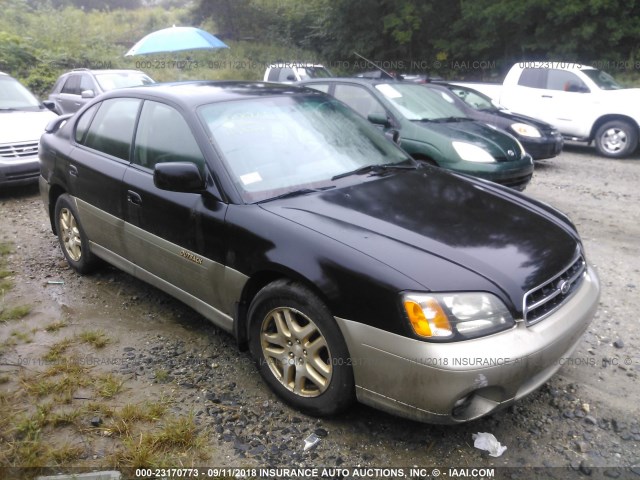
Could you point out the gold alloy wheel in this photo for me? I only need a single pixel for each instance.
(296, 352)
(70, 234)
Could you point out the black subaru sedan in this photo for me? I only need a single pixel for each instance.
(348, 270)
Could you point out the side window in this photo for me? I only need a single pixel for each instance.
(72, 85)
(274, 73)
(111, 131)
(566, 81)
(322, 87)
(286, 74)
(533, 77)
(359, 99)
(164, 136)
(83, 123)
(86, 83)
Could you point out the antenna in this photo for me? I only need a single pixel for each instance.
(376, 66)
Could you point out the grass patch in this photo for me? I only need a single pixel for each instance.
(162, 376)
(5, 284)
(96, 338)
(57, 350)
(5, 249)
(15, 313)
(54, 327)
(108, 386)
(24, 337)
(176, 437)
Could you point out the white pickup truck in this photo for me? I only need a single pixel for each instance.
(583, 103)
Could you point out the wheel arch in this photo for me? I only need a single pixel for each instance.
(54, 193)
(257, 282)
(611, 117)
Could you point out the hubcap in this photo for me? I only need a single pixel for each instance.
(296, 352)
(70, 234)
(614, 140)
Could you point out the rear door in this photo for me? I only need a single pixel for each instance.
(69, 96)
(103, 136)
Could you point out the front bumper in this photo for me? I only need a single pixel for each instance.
(456, 382)
(515, 174)
(548, 146)
(19, 171)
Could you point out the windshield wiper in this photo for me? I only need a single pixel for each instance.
(374, 169)
(8, 109)
(297, 193)
(451, 119)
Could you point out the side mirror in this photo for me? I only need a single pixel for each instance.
(50, 105)
(88, 94)
(379, 119)
(393, 135)
(178, 177)
(55, 124)
(291, 78)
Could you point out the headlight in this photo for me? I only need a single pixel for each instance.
(456, 316)
(526, 130)
(472, 153)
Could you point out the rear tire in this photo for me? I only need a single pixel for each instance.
(299, 349)
(73, 240)
(616, 139)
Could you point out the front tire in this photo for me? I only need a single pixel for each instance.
(299, 349)
(616, 139)
(72, 238)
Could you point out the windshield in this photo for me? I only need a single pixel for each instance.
(13, 96)
(113, 80)
(602, 79)
(416, 102)
(275, 145)
(474, 99)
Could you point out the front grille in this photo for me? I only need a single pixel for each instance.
(19, 150)
(548, 297)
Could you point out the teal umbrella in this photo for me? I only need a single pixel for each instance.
(175, 39)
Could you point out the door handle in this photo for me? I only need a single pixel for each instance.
(133, 197)
(73, 170)
(547, 96)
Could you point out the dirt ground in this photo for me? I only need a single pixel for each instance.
(584, 422)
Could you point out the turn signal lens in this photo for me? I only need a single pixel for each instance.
(456, 316)
(427, 318)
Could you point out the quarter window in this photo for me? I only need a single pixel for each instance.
(111, 131)
(274, 73)
(72, 85)
(83, 123)
(164, 136)
(533, 77)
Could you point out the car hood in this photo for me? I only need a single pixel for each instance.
(405, 219)
(497, 142)
(18, 126)
(624, 97)
(517, 117)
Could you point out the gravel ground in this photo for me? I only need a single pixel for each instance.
(584, 422)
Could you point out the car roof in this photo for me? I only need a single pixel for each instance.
(194, 93)
(358, 80)
(115, 70)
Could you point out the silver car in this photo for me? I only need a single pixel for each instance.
(75, 88)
